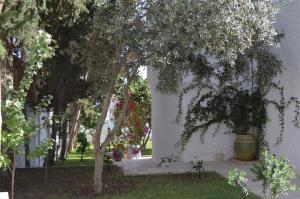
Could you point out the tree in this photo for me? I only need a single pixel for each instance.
(65, 21)
(18, 25)
(17, 127)
(176, 37)
(112, 54)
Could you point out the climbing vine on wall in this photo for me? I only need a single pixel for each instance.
(237, 98)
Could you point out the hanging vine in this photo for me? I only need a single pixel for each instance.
(236, 97)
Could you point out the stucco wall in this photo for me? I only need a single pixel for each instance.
(289, 22)
(166, 132)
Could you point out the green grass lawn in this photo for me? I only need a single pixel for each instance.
(73, 158)
(169, 186)
(76, 183)
(179, 187)
(148, 150)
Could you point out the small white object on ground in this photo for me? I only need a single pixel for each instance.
(4, 195)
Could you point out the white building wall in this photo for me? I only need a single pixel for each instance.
(166, 132)
(289, 22)
(41, 134)
(164, 108)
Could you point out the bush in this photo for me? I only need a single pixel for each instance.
(275, 174)
(238, 179)
(82, 144)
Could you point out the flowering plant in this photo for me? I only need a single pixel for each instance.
(136, 126)
(117, 154)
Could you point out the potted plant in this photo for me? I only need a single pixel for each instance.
(117, 155)
(118, 152)
(242, 111)
(242, 117)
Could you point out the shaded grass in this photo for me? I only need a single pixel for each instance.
(182, 186)
(73, 159)
(76, 183)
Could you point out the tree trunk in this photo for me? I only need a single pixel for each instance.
(1, 100)
(145, 140)
(26, 145)
(13, 174)
(1, 5)
(58, 102)
(27, 151)
(64, 141)
(96, 139)
(98, 172)
(97, 149)
(73, 126)
(73, 144)
(51, 154)
(2, 65)
(99, 154)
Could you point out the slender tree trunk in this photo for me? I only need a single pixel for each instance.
(57, 109)
(13, 174)
(1, 5)
(51, 155)
(99, 155)
(73, 126)
(73, 144)
(2, 65)
(145, 140)
(97, 149)
(1, 98)
(64, 141)
(96, 139)
(27, 151)
(98, 172)
(26, 145)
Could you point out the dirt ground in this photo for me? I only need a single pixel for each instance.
(68, 182)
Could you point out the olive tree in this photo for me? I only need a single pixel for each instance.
(111, 53)
(176, 37)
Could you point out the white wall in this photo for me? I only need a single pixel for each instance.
(289, 22)
(166, 132)
(40, 135)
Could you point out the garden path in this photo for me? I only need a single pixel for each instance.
(149, 166)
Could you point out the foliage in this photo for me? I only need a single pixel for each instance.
(238, 97)
(89, 115)
(238, 179)
(82, 144)
(196, 48)
(65, 20)
(114, 36)
(275, 174)
(17, 127)
(184, 36)
(237, 109)
(136, 124)
(20, 20)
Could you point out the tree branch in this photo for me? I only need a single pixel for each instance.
(120, 119)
